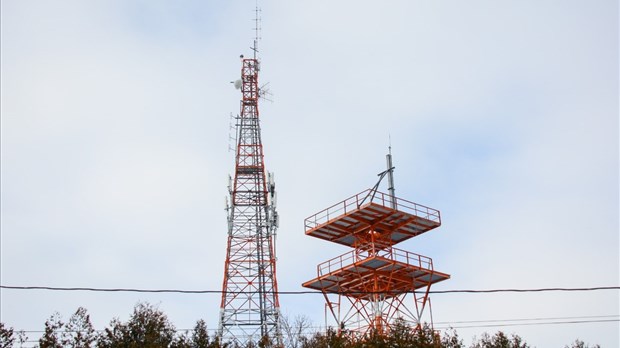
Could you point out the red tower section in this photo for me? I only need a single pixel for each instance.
(250, 310)
(366, 289)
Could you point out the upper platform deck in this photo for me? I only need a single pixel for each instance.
(366, 216)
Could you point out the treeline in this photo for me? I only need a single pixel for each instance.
(148, 327)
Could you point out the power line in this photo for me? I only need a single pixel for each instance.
(617, 316)
(449, 324)
(488, 291)
(528, 324)
(305, 292)
(51, 288)
(472, 324)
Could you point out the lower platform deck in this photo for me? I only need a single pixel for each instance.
(390, 272)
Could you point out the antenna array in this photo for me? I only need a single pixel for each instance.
(257, 29)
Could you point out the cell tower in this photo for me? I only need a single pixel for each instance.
(366, 289)
(250, 310)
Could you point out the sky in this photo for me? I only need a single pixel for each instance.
(503, 115)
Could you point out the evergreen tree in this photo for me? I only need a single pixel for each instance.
(329, 339)
(200, 336)
(181, 341)
(148, 327)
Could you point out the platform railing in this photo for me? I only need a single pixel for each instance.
(392, 254)
(366, 197)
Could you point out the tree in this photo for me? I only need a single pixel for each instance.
(581, 344)
(450, 339)
(148, 327)
(329, 339)
(200, 336)
(198, 339)
(181, 341)
(295, 332)
(401, 334)
(51, 338)
(6, 336)
(79, 331)
(21, 338)
(499, 340)
(426, 337)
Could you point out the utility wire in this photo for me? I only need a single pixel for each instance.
(528, 324)
(617, 316)
(305, 292)
(450, 324)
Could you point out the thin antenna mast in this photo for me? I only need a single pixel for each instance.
(257, 30)
(390, 173)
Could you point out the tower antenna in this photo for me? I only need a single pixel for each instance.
(250, 308)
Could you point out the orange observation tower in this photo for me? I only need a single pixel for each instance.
(367, 288)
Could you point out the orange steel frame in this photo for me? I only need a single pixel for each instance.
(250, 309)
(374, 278)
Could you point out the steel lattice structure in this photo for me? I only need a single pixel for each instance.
(250, 310)
(366, 289)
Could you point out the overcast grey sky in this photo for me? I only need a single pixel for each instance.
(502, 114)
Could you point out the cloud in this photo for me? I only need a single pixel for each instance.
(115, 124)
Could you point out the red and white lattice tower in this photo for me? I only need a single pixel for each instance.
(250, 311)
